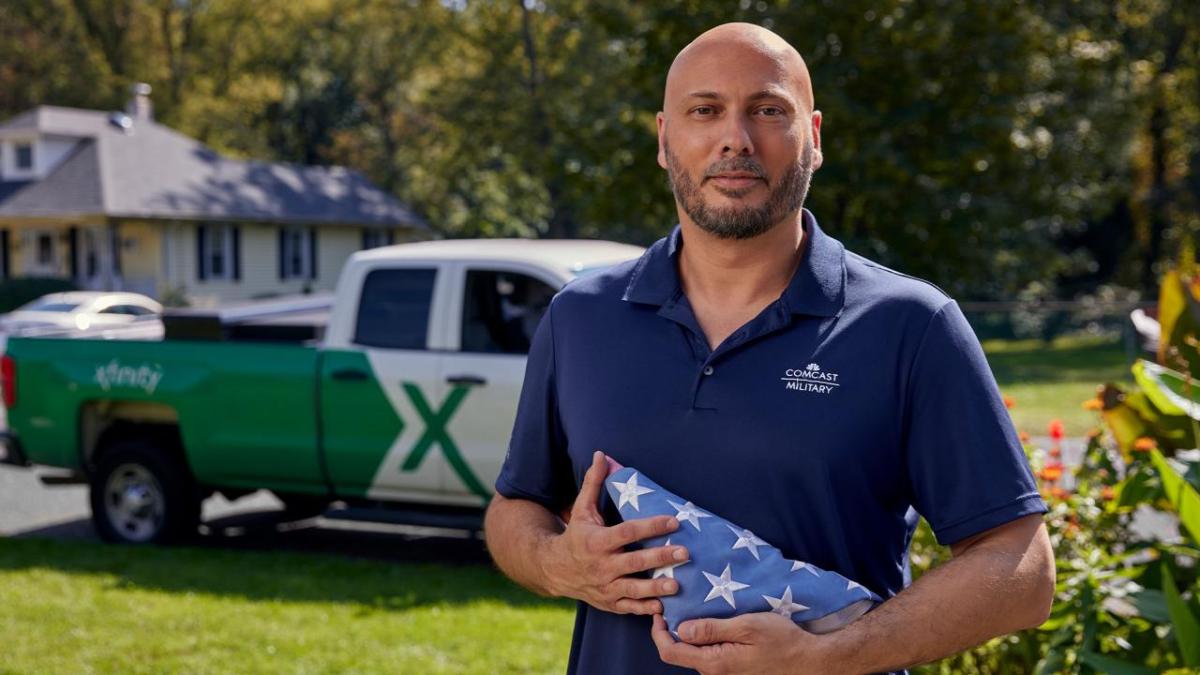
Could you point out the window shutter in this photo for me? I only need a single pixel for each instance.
(282, 261)
(73, 252)
(312, 253)
(5, 247)
(236, 235)
(391, 236)
(116, 250)
(366, 239)
(201, 252)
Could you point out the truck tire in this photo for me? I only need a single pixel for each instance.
(141, 494)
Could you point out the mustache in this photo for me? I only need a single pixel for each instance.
(739, 163)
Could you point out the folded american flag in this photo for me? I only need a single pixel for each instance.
(729, 570)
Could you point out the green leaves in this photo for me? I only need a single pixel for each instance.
(1187, 628)
(1183, 497)
(1179, 317)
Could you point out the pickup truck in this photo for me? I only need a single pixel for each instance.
(398, 408)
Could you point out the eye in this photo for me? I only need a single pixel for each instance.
(770, 111)
(704, 110)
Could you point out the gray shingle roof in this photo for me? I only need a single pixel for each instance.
(152, 171)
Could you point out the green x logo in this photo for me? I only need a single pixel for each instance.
(435, 432)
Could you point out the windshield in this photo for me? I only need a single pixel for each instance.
(45, 305)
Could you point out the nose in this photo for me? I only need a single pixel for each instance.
(735, 136)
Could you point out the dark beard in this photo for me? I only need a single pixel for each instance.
(742, 222)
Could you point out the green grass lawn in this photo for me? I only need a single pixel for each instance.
(76, 607)
(1049, 381)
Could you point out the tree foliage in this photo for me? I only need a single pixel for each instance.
(992, 148)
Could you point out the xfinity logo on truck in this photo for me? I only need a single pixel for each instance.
(144, 376)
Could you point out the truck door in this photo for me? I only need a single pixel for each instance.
(501, 307)
(380, 388)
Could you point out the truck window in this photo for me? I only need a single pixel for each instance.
(393, 312)
(501, 310)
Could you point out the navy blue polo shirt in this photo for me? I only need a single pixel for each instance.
(858, 399)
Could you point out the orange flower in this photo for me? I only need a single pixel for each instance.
(1103, 473)
(1051, 472)
(1093, 404)
(1056, 429)
(1144, 444)
(1009, 403)
(1055, 452)
(1059, 493)
(1107, 492)
(1023, 436)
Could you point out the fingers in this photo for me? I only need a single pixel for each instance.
(670, 651)
(631, 606)
(713, 631)
(650, 558)
(593, 483)
(633, 587)
(639, 529)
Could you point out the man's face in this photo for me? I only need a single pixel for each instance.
(738, 141)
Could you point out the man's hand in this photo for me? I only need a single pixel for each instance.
(588, 561)
(762, 642)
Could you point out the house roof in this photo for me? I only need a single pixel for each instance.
(147, 170)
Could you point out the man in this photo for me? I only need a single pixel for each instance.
(748, 362)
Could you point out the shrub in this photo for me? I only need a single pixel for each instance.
(17, 292)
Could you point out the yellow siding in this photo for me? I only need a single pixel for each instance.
(141, 257)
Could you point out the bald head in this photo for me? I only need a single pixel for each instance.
(738, 41)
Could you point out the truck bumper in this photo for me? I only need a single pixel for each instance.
(10, 450)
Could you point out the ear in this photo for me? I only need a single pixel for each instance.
(818, 156)
(661, 121)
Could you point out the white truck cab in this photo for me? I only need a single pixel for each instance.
(446, 326)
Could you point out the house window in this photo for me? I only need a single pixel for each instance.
(217, 252)
(24, 156)
(296, 254)
(45, 249)
(374, 237)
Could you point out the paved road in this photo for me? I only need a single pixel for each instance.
(30, 509)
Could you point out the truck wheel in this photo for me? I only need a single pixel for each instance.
(141, 495)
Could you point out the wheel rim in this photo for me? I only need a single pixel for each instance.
(134, 502)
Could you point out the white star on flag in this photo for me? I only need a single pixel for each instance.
(783, 605)
(746, 539)
(630, 492)
(668, 570)
(723, 586)
(688, 513)
(797, 565)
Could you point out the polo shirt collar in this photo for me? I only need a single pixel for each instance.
(817, 288)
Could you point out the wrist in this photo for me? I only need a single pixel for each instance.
(550, 564)
(834, 652)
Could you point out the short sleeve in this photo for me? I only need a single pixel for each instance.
(536, 466)
(966, 467)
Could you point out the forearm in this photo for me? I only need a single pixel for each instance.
(518, 534)
(970, 599)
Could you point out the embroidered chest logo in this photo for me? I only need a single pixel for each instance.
(810, 378)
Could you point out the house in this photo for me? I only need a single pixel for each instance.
(116, 201)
